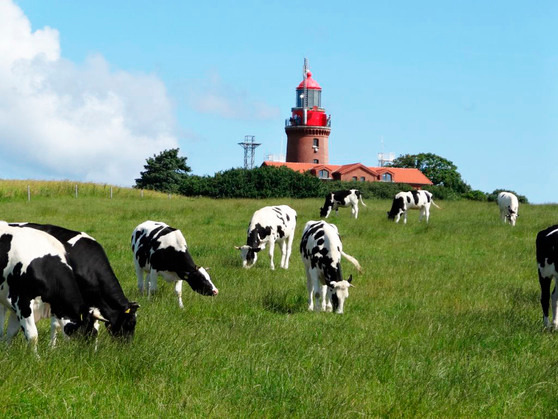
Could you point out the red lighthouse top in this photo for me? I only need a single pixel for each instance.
(310, 83)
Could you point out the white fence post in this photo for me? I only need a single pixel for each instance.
(76, 191)
(111, 192)
(28, 193)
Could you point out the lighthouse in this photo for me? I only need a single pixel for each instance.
(308, 127)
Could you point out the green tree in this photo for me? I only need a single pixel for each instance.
(164, 172)
(440, 171)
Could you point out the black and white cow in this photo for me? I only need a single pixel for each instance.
(96, 279)
(547, 262)
(321, 252)
(509, 207)
(269, 225)
(162, 250)
(344, 198)
(34, 264)
(404, 201)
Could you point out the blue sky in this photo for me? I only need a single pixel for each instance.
(94, 88)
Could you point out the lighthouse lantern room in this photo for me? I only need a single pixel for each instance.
(309, 127)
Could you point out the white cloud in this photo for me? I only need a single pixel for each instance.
(212, 96)
(60, 119)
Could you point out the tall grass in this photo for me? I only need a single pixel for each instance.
(444, 321)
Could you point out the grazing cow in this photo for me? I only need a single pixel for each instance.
(271, 225)
(34, 264)
(95, 278)
(509, 207)
(344, 198)
(547, 262)
(404, 201)
(321, 252)
(162, 250)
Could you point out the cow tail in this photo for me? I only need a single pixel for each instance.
(352, 260)
(433, 203)
(361, 201)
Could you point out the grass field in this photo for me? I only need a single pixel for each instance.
(444, 321)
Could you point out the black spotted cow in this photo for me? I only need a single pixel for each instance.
(269, 225)
(162, 250)
(321, 252)
(547, 262)
(404, 201)
(344, 198)
(34, 264)
(509, 207)
(96, 280)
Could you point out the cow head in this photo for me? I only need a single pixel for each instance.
(512, 216)
(328, 205)
(125, 323)
(200, 282)
(249, 255)
(397, 208)
(338, 292)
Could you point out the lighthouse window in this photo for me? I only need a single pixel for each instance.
(316, 143)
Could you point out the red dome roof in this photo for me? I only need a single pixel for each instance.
(310, 83)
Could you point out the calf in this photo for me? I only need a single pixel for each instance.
(34, 264)
(321, 252)
(509, 207)
(547, 262)
(344, 198)
(162, 250)
(269, 225)
(404, 201)
(95, 278)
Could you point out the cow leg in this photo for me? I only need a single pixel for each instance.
(405, 217)
(271, 250)
(2, 319)
(152, 282)
(325, 305)
(283, 244)
(354, 211)
(289, 250)
(55, 325)
(139, 274)
(545, 297)
(13, 326)
(310, 289)
(29, 327)
(426, 214)
(554, 306)
(178, 291)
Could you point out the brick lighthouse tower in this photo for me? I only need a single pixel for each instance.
(309, 127)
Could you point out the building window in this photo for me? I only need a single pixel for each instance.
(362, 179)
(316, 161)
(386, 177)
(316, 143)
(354, 178)
(323, 174)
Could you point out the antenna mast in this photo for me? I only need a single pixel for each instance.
(249, 146)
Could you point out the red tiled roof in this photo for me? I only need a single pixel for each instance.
(399, 175)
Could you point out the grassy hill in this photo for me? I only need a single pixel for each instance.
(445, 319)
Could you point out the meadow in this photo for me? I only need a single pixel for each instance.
(444, 320)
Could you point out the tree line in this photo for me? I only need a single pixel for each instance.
(168, 172)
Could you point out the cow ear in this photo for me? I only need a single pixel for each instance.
(237, 247)
(331, 284)
(132, 308)
(350, 279)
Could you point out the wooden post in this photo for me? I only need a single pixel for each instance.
(76, 191)
(28, 193)
(111, 192)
